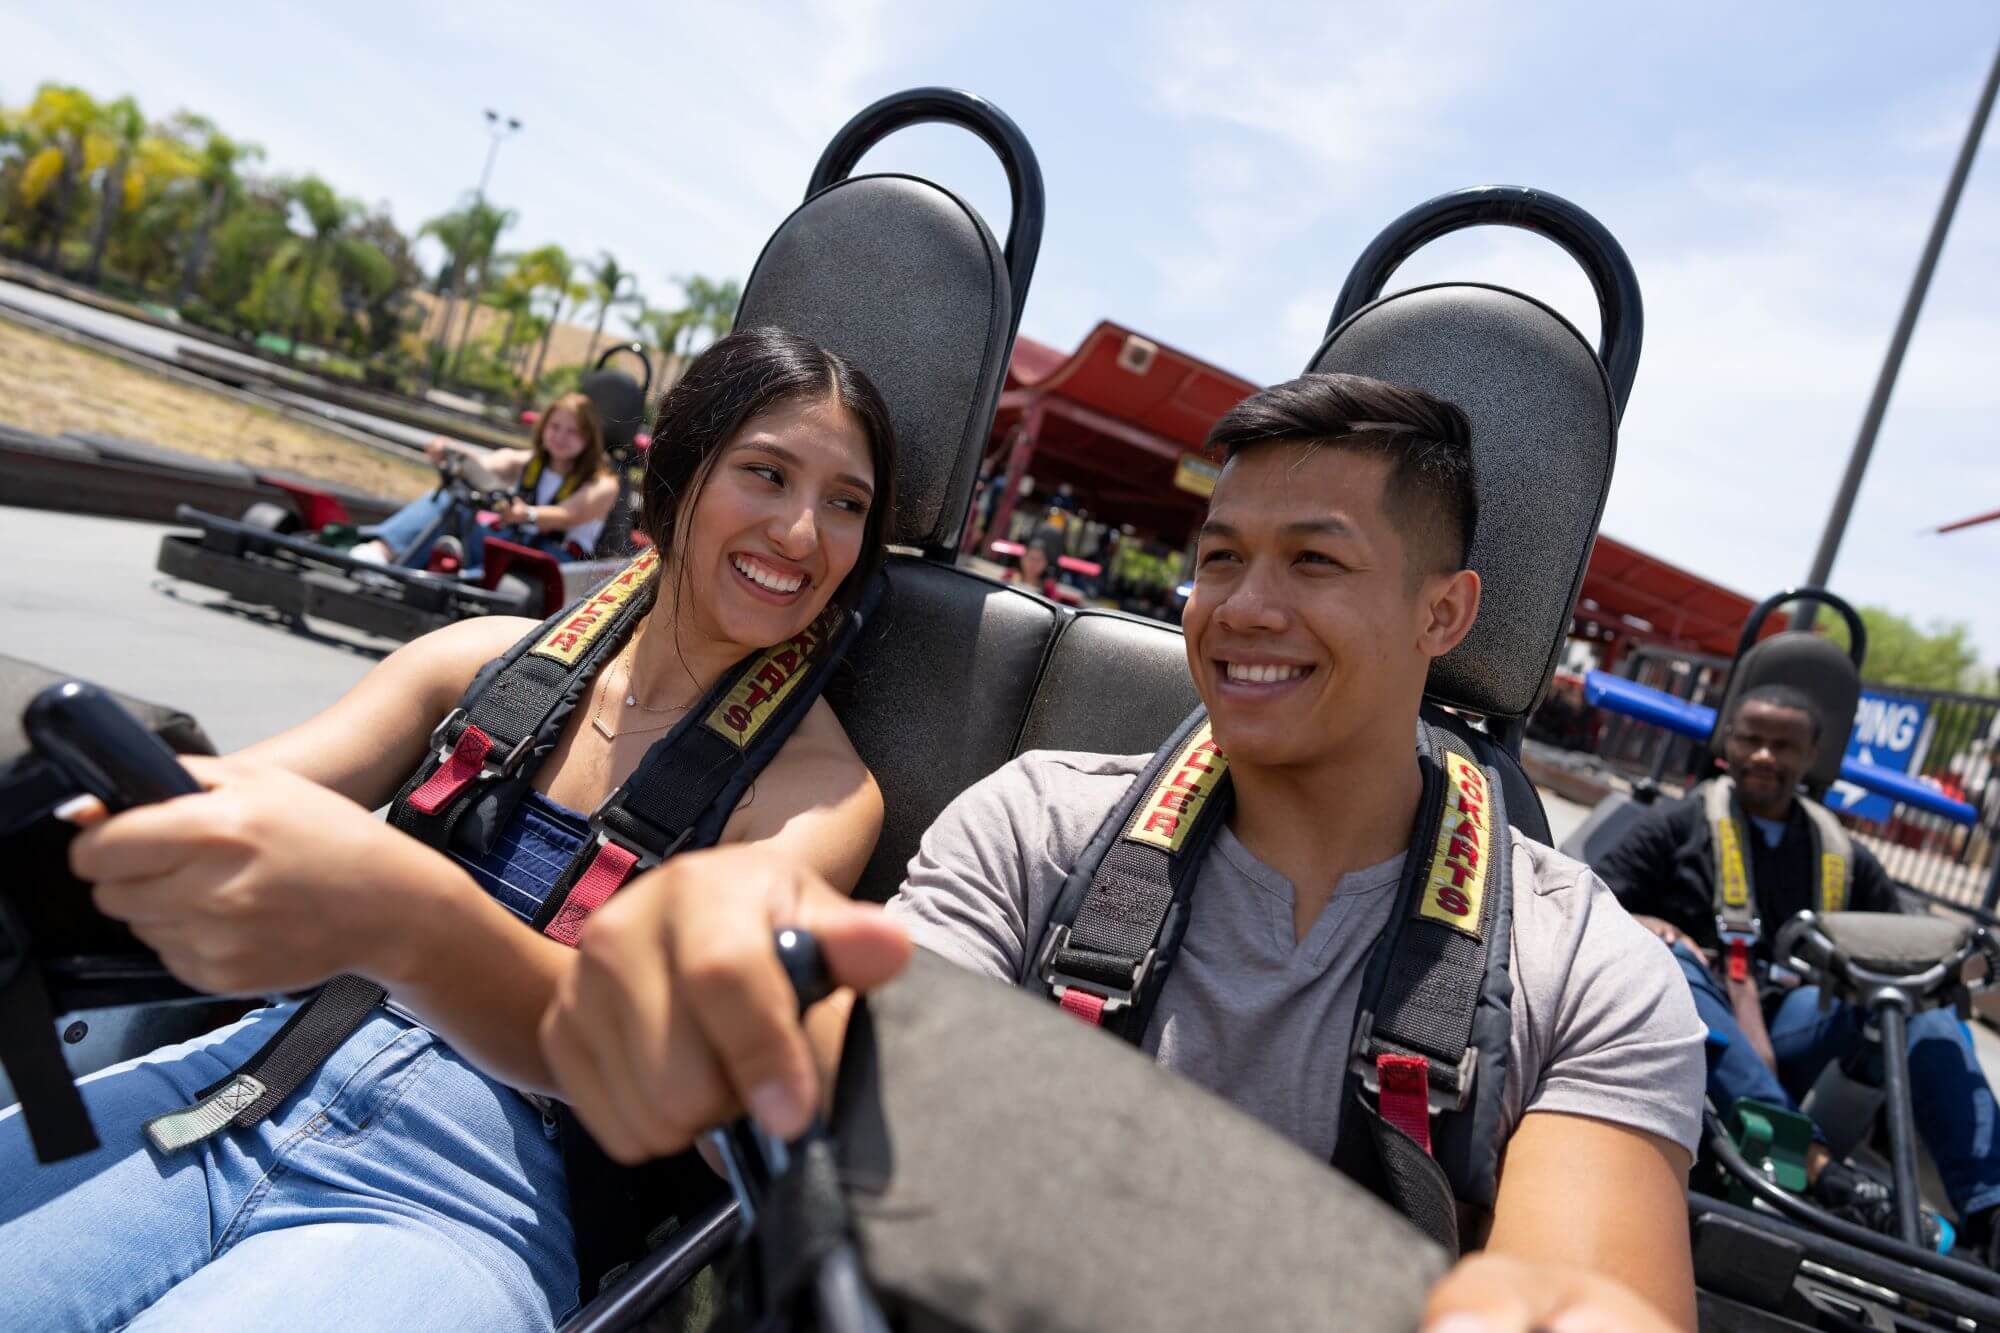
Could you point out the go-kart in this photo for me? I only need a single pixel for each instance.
(295, 558)
(263, 559)
(965, 673)
(1768, 1257)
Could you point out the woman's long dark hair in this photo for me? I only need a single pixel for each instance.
(738, 377)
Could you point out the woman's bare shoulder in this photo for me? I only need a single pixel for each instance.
(443, 662)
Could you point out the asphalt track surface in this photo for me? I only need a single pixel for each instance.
(80, 595)
(163, 344)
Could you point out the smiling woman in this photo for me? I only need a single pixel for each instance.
(769, 480)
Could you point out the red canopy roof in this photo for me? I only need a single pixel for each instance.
(1675, 605)
(1113, 419)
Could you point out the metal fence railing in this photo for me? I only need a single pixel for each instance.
(1957, 749)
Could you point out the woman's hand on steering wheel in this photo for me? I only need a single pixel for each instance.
(436, 448)
(264, 882)
(515, 512)
(676, 1016)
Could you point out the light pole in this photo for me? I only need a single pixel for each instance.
(498, 128)
(1885, 382)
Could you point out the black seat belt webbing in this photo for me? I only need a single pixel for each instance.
(279, 1068)
(700, 768)
(58, 1123)
(1098, 961)
(490, 733)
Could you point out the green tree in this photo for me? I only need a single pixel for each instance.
(608, 279)
(484, 237)
(326, 213)
(122, 126)
(58, 130)
(1942, 657)
(548, 269)
(246, 240)
(377, 294)
(221, 161)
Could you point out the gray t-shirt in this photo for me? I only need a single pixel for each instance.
(1604, 1025)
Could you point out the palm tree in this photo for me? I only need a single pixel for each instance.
(514, 298)
(122, 126)
(162, 192)
(220, 158)
(61, 120)
(663, 328)
(487, 224)
(708, 307)
(548, 268)
(326, 212)
(608, 279)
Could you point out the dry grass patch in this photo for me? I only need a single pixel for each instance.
(49, 385)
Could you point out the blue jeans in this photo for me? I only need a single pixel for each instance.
(408, 523)
(400, 1188)
(1955, 1111)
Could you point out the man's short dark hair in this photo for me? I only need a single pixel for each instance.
(1788, 697)
(1430, 494)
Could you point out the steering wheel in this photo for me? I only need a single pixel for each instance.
(471, 480)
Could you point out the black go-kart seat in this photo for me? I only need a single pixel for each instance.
(962, 673)
(1859, 952)
(1807, 662)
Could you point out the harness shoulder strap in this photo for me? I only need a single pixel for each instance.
(514, 709)
(1431, 995)
(531, 476)
(1736, 921)
(690, 780)
(1833, 857)
(1430, 1042)
(1119, 919)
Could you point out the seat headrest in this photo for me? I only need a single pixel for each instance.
(1817, 668)
(621, 405)
(904, 279)
(1544, 437)
(1544, 410)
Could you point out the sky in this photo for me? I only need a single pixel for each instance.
(1213, 169)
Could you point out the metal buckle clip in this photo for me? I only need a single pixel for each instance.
(1442, 1098)
(1739, 946)
(1059, 983)
(442, 745)
(605, 837)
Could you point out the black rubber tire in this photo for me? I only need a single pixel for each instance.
(524, 598)
(271, 516)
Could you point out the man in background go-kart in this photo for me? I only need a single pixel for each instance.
(1663, 871)
(564, 487)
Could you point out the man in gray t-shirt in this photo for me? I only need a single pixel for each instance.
(1264, 1015)
(1330, 573)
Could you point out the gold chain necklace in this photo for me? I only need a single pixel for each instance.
(631, 701)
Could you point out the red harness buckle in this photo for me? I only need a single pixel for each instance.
(1739, 959)
(608, 869)
(466, 761)
(1405, 1096)
(1082, 1004)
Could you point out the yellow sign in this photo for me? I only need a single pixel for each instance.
(1456, 884)
(1196, 475)
(567, 641)
(1185, 785)
(745, 710)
